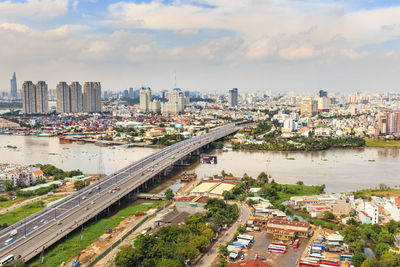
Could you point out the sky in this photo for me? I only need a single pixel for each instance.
(212, 45)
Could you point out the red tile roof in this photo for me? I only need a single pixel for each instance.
(250, 263)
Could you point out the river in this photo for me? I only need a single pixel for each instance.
(339, 169)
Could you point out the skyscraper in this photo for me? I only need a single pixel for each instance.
(34, 98)
(76, 97)
(28, 97)
(145, 99)
(92, 97)
(176, 103)
(42, 97)
(63, 98)
(13, 86)
(323, 93)
(233, 97)
(309, 106)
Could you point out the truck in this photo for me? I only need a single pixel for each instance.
(238, 244)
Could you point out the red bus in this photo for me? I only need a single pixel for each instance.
(296, 243)
(329, 262)
(304, 263)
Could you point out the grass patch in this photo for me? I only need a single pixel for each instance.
(291, 190)
(68, 247)
(20, 213)
(366, 193)
(372, 142)
(9, 203)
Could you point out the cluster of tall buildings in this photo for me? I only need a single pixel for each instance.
(175, 104)
(70, 98)
(389, 122)
(35, 97)
(311, 106)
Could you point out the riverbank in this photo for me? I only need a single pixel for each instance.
(374, 142)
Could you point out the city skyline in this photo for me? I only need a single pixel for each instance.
(278, 45)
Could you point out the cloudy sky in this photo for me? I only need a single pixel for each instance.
(255, 45)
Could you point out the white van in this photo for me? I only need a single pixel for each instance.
(13, 232)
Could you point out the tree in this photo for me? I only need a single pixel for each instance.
(9, 186)
(222, 250)
(126, 257)
(300, 183)
(79, 184)
(262, 178)
(169, 194)
(358, 259)
(381, 248)
(241, 228)
(329, 216)
(222, 262)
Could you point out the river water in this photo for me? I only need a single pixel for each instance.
(340, 170)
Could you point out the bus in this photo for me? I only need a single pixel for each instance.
(346, 257)
(246, 237)
(305, 263)
(329, 262)
(8, 241)
(318, 256)
(296, 243)
(276, 246)
(6, 260)
(280, 244)
(277, 250)
(320, 246)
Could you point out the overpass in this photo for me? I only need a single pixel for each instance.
(29, 237)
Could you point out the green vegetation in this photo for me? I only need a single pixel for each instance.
(38, 192)
(20, 213)
(168, 139)
(69, 247)
(382, 191)
(174, 245)
(379, 238)
(169, 194)
(58, 174)
(303, 144)
(373, 142)
(79, 184)
(6, 202)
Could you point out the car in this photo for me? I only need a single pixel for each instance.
(92, 202)
(117, 188)
(35, 227)
(42, 220)
(84, 197)
(59, 222)
(90, 191)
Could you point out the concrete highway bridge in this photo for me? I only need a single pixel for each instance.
(29, 237)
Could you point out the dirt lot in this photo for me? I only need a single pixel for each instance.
(99, 246)
(260, 246)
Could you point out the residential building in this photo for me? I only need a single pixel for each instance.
(389, 122)
(233, 97)
(145, 99)
(175, 104)
(372, 210)
(42, 97)
(309, 107)
(91, 97)
(76, 97)
(63, 92)
(364, 217)
(34, 98)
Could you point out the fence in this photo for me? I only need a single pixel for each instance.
(116, 243)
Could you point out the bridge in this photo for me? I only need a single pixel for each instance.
(29, 237)
(151, 196)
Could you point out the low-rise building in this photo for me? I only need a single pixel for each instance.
(283, 228)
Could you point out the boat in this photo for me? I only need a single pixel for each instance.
(64, 140)
(10, 146)
(45, 135)
(187, 177)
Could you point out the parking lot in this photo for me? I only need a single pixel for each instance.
(260, 246)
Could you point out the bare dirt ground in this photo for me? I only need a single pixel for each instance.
(99, 246)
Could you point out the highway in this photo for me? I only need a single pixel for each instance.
(46, 227)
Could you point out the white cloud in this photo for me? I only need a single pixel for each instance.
(14, 27)
(38, 9)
